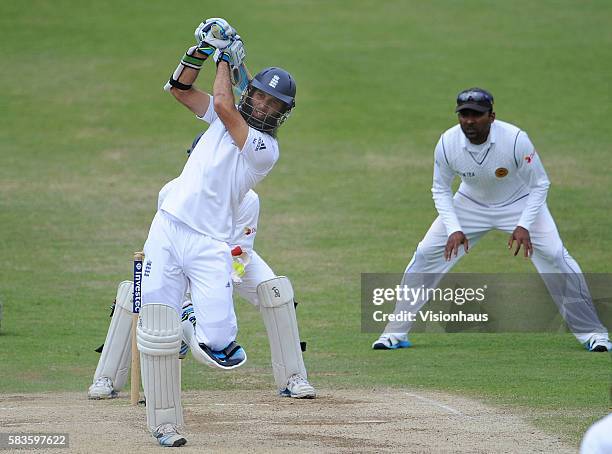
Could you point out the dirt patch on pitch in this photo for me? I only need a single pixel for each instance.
(374, 420)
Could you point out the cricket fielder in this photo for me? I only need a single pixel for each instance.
(598, 438)
(250, 270)
(504, 187)
(188, 242)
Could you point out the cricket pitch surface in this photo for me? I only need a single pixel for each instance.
(365, 420)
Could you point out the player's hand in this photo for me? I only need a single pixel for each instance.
(219, 56)
(214, 32)
(455, 240)
(235, 52)
(522, 238)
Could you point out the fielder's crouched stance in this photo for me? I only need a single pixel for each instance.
(503, 187)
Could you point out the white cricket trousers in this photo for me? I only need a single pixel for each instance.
(176, 255)
(256, 272)
(549, 257)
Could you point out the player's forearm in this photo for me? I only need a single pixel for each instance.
(222, 89)
(441, 190)
(532, 172)
(181, 82)
(535, 201)
(194, 99)
(226, 109)
(443, 201)
(190, 73)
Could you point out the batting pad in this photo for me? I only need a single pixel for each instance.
(278, 313)
(115, 358)
(159, 342)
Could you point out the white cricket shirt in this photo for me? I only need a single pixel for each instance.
(503, 170)
(246, 222)
(217, 176)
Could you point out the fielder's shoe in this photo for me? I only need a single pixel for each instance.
(168, 436)
(598, 344)
(298, 388)
(102, 388)
(391, 341)
(187, 315)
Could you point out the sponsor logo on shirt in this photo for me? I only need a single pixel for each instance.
(501, 172)
(249, 230)
(260, 145)
(530, 157)
(468, 174)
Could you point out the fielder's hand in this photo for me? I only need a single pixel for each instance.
(455, 239)
(522, 237)
(215, 32)
(234, 54)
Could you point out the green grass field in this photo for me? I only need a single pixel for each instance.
(88, 137)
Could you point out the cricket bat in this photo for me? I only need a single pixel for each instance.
(241, 77)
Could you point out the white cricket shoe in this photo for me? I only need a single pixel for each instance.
(168, 436)
(298, 388)
(599, 343)
(391, 341)
(102, 388)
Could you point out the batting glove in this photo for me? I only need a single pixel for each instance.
(234, 54)
(214, 32)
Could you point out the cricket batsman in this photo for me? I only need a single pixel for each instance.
(188, 241)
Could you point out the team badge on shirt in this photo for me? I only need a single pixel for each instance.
(501, 172)
(249, 230)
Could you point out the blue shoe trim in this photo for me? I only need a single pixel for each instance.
(231, 356)
(403, 344)
(400, 344)
(164, 441)
(237, 355)
(184, 349)
(186, 313)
